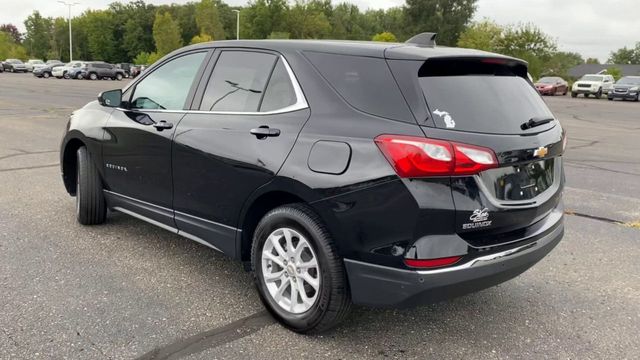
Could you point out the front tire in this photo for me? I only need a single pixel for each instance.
(91, 208)
(599, 93)
(299, 275)
(119, 77)
(46, 75)
(93, 76)
(574, 95)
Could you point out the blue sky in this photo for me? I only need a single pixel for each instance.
(592, 28)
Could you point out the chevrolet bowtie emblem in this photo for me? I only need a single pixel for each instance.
(540, 152)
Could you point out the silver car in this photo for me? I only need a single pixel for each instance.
(33, 64)
(14, 65)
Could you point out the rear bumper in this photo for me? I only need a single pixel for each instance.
(376, 285)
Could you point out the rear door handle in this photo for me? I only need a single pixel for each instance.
(264, 131)
(162, 125)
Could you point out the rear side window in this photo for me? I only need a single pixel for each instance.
(238, 81)
(470, 95)
(279, 93)
(364, 82)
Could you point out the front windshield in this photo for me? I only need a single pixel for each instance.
(591, 78)
(547, 80)
(15, 61)
(629, 81)
(37, 62)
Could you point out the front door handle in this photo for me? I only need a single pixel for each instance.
(162, 125)
(264, 131)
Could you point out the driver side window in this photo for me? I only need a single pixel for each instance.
(168, 86)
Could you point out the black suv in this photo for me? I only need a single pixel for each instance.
(100, 70)
(338, 172)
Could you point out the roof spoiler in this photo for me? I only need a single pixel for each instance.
(426, 39)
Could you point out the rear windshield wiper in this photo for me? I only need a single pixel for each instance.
(536, 121)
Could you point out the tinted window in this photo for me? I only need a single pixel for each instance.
(238, 81)
(279, 93)
(168, 86)
(365, 83)
(483, 103)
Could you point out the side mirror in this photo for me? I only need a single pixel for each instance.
(111, 98)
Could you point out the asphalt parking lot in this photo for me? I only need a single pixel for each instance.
(127, 289)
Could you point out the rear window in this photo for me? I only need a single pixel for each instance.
(486, 98)
(365, 83)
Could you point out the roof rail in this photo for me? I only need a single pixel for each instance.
(426, 39)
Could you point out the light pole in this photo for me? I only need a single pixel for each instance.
(237, 24)
(69, 18)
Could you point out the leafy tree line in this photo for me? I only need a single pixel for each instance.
(524, 41)
(144, 32)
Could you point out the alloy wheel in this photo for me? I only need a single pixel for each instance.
(290, 270)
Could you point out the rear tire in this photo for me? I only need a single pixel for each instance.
(46, 75)
(599, 93)
(93, 76)
(574, 95)
(326, 300)
(91, 208)
(119, 77)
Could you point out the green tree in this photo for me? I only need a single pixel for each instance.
(208, 20)
(484, 35)
(592, 61)
(446, 17)
(201, 38)
(615, 72)
(166, 33)
(9, 49)
(37, 37)
(13, 32)
(560, 62)
(278, 35)
(625, 55)
(100, 30)
(307, 20)
(142, 58)
(384, 37)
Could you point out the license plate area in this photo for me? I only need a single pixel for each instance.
(519, 182)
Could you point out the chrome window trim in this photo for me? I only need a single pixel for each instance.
(301, 101)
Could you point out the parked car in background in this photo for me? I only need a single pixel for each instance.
(1, 66)
(33, 64)
(101, 70)
(14, 65)
(552, 85)
(53, 62)
(62, 72)
(76, 72)
(389, 181)
(627, 88)
(46, 71)
(592, 84)
(126, 67)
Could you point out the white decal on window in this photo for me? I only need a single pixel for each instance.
(448, 120)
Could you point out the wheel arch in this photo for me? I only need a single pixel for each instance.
(69, 164)
(278, 192)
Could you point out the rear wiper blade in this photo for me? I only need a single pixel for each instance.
(536, 121)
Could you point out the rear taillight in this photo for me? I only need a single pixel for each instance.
(432, 263)
(420, 157)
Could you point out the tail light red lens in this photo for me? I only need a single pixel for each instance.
(432, 263)
(421, 157)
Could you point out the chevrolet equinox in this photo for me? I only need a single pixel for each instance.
(338, 172)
